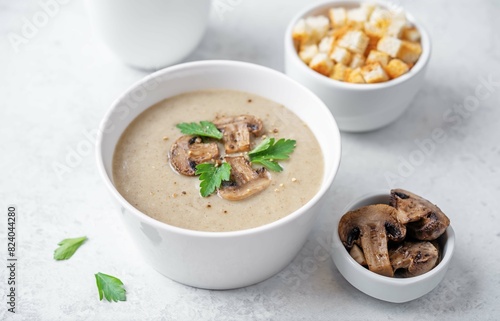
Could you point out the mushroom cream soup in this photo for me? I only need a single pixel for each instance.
(143, 175)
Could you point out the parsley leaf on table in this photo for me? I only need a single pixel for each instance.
(204, 128)
(110, 287)
(68, 247)
(211, 176)
(269, 150)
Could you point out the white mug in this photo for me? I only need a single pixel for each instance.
(150, 34)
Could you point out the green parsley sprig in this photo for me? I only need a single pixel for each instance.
(269, 150)
(267, 153)
(204, 128)
(211, 176)
(68, 247)
(110, 287)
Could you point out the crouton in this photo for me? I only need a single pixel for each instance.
(411, 34)
(347, 72)
(338, 17)
(372, 45)
(341, 55)
(339, 72)
(390, 46)
(380, 17)
(357, 15)
(326, 45)
(310, 29)
(318, 25)
(373, 30)
(377, 56)
(355, 76)
(308, 52)
(322, 64)
(409, 52)
(396, 68)
(357, 61)
(374, 73)
(367, 8)
(300, 31)
(395, 28)
(356, 41)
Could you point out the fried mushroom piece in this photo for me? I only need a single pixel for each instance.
(189, 151)
(244, 181)
(413, 258)
(237, 130)
(371, 227)
(357, 254)
(424, 220)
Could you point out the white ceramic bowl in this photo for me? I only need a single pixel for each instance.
(220, 260)
(385, 288)
(150, 34)
(358, 107)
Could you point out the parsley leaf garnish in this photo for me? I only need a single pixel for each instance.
(211, 176)
(68, 247)
(110, 287)
(204, 128)
(273, 166)
(268, 151)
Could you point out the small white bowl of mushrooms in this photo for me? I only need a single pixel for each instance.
(394, 246)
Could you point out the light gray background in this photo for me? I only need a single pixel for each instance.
(59, 85)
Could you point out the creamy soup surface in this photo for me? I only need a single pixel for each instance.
(143, 175)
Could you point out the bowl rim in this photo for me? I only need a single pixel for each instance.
(338, 246)
(417, 68)
(325, 185)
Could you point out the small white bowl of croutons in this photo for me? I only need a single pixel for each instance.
(394, 246)
(365, 60)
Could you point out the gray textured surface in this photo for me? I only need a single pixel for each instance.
(59, 85)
